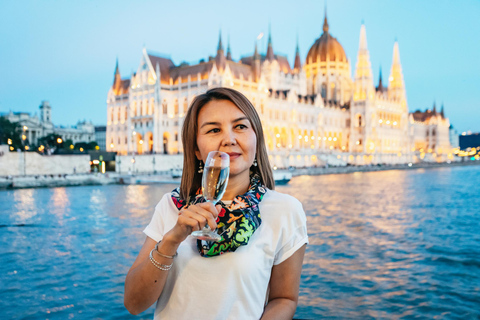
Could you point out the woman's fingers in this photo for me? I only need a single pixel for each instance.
(204, 213)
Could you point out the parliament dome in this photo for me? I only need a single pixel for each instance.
(326, 48)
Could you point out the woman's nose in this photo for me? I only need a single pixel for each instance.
(229, 138)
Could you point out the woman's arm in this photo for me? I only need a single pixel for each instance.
(284, 286)
(144, 282)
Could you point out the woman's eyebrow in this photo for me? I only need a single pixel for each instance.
(218, 123)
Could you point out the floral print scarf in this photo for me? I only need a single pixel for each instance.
(236, 223)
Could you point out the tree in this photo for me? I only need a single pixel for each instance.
(10, 133)
(51, 141)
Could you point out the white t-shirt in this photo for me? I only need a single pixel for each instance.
(233, 285)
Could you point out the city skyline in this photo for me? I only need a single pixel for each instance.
(66, 53)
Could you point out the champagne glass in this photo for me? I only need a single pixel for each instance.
(214, 183)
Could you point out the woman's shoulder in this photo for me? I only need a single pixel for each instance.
(283, 199)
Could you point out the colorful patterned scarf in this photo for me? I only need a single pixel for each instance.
(235, 223)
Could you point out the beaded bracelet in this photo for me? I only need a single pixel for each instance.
(164, 255)
(163, 267)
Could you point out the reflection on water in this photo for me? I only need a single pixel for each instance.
(387, 244)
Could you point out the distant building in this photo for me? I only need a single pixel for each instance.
(431, 132)
(100, 136)
(471, 140)
(35, 127)
(454, 139)
(311, 113)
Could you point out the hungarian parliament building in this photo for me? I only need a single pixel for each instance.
(313, 113)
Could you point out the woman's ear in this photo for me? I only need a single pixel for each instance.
(198, 155)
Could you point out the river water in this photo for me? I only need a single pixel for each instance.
(383, 245)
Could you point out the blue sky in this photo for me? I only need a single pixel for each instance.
(65, 51)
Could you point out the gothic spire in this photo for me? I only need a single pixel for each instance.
(363, 71)
(380, 81)
(270, 55)
(325, 22)
(220, 45)
(298, 64)
(396, 85)
(229, 53)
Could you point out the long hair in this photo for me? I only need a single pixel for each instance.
(191, 179)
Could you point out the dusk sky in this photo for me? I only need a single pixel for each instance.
(65, 51)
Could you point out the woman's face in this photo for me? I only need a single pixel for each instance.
(222, 126)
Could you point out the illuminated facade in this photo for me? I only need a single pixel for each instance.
(312, 114)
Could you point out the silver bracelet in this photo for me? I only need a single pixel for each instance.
(164, 255)
(163, 267)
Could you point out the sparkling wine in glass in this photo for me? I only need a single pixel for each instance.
(214, 184)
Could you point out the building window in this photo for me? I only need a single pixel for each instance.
(165, 107)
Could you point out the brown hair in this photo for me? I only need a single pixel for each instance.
(191, 179)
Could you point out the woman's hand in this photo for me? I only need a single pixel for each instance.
(193, 218)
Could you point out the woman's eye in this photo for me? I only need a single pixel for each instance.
(241, 126)
(216, 130)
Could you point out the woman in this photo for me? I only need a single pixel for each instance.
(254, 272)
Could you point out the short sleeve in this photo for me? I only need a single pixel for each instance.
(294, 232)
(164, 218)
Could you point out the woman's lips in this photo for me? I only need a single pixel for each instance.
(233, 155)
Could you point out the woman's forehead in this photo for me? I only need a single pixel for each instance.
(223, 109)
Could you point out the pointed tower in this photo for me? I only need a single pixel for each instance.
(270, 55)
(229, 53)
(380, 87)
(220, 58)
(298, 64)
(396, 85)
(363, 81)
(442, 112)
(117, 80)
(434, 109)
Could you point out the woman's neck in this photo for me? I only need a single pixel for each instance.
(236, 185)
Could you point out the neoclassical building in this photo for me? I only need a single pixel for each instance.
(312, 113)
(35, 127)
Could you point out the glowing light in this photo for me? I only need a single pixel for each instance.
(141, 141)
(134, 133)
(25, 128)
(59, 140)
(96, 162)
(357, 143)
(24, 137)
(306, 138)
(97, 148)
(331, 147)
(324, 138)
(335, 139)
(71, 146)
(300, 136)
(260, 36)
(81, 149)
(395, 123)
(380, 121)
(27, 148)
(9, 141)
(388, 121)
(277, 135)
(112, 145)
(11, 148)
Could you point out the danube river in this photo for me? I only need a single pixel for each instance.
(391, 244)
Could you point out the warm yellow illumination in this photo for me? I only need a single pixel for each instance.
(134, 133)
(112, 145)
(24, 137)
(329, 138)
(96, 162)
(335, 139)
(97, 148)
(388, 121)
(27, 148)
(9, 141)
(141, 141)
(71, 146)
(380, 121)
(11, 148)
(277, 135)
(59, 140)
(25, 128)
(81, 149)
(395, 123)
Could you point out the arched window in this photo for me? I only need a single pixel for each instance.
(324, 91)
(175, 106)
(185, 106)
(164, 107)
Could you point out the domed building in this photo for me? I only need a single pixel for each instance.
(328, 69)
